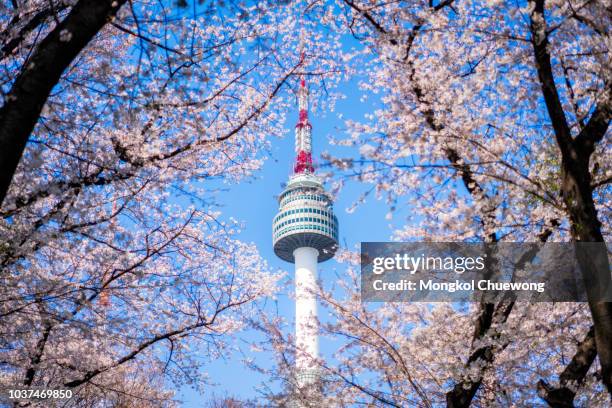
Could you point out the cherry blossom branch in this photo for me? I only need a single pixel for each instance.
(53, 55)
(147, 39)
(81, 302)
(124, 154)
(96, 179)
(572, 376)
(388, 348)
(11, 42)
(585, 20)
(491, 315)
(147, 344)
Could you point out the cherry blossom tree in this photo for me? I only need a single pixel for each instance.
(119, 274)
(494, 119)
(492, 127)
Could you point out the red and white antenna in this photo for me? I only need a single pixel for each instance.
(303, 129)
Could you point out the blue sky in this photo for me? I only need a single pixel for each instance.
(253, 203)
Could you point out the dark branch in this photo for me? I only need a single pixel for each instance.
(539, 41)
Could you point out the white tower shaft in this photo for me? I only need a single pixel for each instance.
(306, 330)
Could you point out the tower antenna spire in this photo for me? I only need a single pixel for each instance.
(303, 129)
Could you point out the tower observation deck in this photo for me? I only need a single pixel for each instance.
(305, 219)
(305, 232)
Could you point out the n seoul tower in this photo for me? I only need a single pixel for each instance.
(305, 232)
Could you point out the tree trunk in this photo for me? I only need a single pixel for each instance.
(578, 198)
(576, 182)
